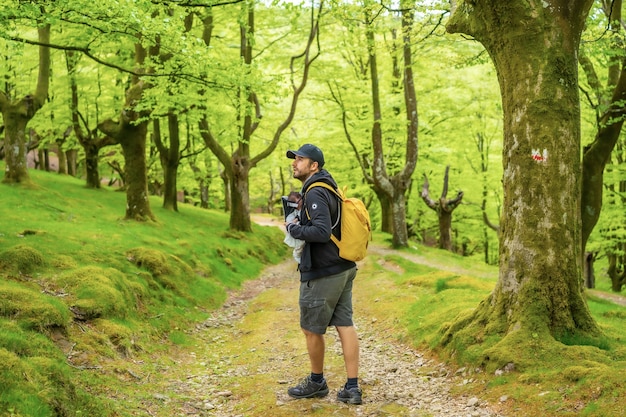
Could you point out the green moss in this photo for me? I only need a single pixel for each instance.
(30, 307)
(21, 259)
(152, 260)
(578, 372)
(23, 342)
(97, 292)
(119, 334)
(59, 262)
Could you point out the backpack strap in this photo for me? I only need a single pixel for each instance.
(331, 188)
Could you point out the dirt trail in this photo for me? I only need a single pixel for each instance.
(252, 350)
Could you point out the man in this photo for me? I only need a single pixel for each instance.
(325, 279)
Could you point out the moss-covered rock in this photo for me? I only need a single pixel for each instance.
(98, 292)
(30, 308)
(152, 260)
(21, 259)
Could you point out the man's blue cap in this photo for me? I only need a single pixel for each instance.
(308, 151)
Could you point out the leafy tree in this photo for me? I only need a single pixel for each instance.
(609, 102)
(240, 161)
(17, 113)
(389, 180)
(131, 131)
(444, 208)
(87, 136)
(535, 55)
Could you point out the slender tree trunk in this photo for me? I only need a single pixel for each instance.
(170, 196)
(170, 160)
(61, 157)
(598, 153)
(386, 211)
(86, 137)
(91, 164)
(535, 55)
(395, 187)
(444, 208)
(71, 157)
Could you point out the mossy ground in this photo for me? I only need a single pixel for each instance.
(81, 287)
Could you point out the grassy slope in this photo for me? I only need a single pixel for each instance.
(78, 285)
(550, 379)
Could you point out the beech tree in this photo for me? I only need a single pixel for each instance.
(87, 136)
(534, 48)
(130, 130)
(610, 112)
(16, 114)
(444, 208)
(390, 180)
(238, 163)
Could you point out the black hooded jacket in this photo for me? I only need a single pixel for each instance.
(320, 257)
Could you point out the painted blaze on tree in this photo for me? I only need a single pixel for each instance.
(534, 48)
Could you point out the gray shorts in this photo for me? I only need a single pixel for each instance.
(327, 302)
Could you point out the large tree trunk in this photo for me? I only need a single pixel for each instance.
(538, 293)
(17, 114)
(133, 141)
(131, 133)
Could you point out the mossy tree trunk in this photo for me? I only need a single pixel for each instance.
(534, 48)
(17, 113)
(131, 131)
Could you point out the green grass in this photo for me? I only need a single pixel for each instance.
(575, 375)
(79, 284)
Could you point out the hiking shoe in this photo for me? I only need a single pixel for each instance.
(307, 388)
(350, 396)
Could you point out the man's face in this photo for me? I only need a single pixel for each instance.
(303, 168)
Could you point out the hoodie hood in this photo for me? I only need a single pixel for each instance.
(323, 176)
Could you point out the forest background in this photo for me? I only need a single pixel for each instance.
(198, 102)
(215, 106)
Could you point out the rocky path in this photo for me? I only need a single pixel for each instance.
(251, 351)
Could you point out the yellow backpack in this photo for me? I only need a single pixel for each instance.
(356, 228)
